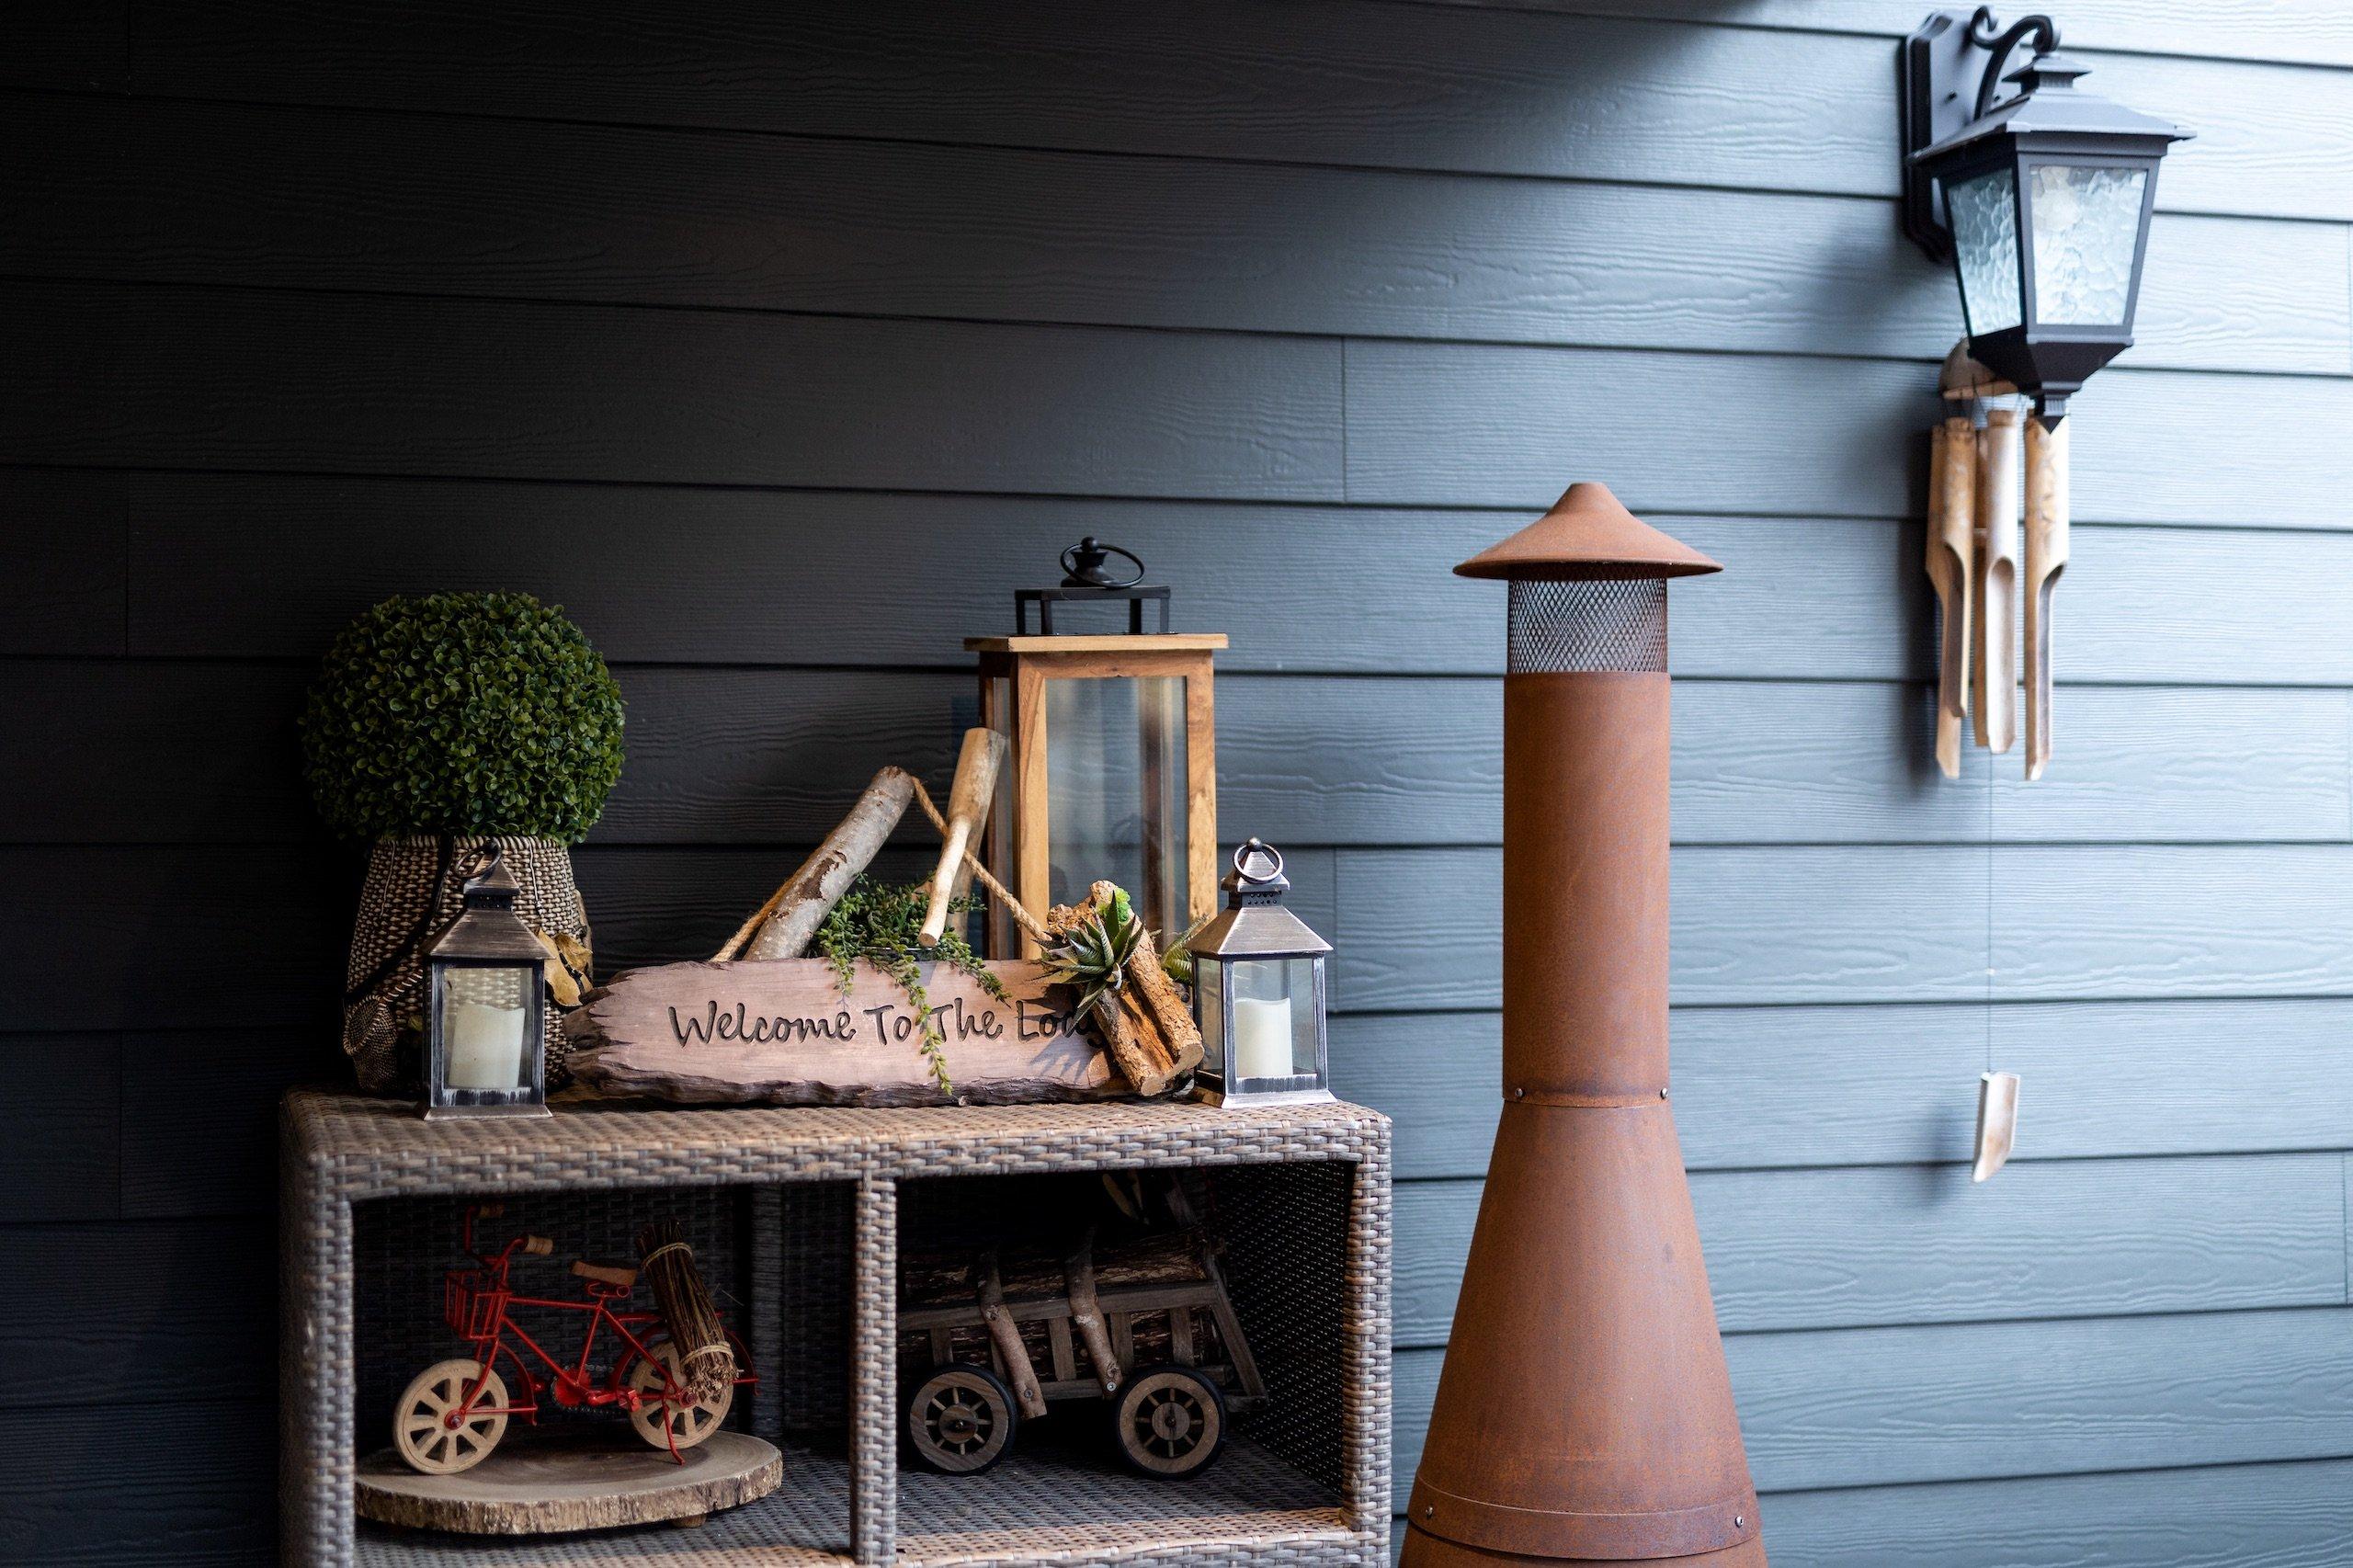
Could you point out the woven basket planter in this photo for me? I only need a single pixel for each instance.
(410, 897)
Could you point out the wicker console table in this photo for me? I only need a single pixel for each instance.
(341, 1151)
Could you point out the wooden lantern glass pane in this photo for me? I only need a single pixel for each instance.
(1115, 792)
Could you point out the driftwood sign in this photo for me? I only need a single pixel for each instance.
(783, 1031)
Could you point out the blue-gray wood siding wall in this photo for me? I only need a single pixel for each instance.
(779, 342)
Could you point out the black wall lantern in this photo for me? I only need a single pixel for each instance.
(2040, 200)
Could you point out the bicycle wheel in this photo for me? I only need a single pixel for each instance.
(421, 1428)
(689, 1424)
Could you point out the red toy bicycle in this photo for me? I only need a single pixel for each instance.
(454, 1414)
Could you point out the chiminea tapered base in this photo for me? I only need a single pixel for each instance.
(1429, 1551)
(1585, 1414)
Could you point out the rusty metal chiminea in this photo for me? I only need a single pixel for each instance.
(1583, 1415)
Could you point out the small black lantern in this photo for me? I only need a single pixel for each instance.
(485, 1052)
(2041, 201)
(1258, 993)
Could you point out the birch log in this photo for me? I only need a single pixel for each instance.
(968, 802)
(794, 912)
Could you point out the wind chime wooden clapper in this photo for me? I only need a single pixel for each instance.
(1992, 608)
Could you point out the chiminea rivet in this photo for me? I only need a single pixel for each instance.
(1738, 1520)
(1519, 1094)
(1662, 1094)
(1429, 1511)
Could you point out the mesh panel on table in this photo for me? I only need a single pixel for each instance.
(402, 1248)
(1284, 1231)
(1562, 628)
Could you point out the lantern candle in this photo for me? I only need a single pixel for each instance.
(485, 1040)
(1262, 1036)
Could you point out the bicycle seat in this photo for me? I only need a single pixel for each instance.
(605, 1273)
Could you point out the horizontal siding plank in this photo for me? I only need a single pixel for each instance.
(2173, 921)
(1866, 1085)
(1897, 1244)
(64, 568)
(1424, 87)
(207, 754)
(1418, 928)
(365, 383)
(1883, 923)
(61, 1139)
(136, 1314)
(231, 565)
(2313, 32)
(1462, 425)
(1876, 1406)
(1753, 1086)
(245, 194)
(199, 1116)
(197, 1501)
(2296, 1515)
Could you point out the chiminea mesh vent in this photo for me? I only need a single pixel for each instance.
(1557, 628)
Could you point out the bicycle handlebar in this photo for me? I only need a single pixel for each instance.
(538, 1247)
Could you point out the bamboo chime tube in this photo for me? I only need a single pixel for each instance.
(1952, 567)
(1995, 679)
(2046, 557)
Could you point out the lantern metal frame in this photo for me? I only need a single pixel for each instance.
(1953, 131)
(1255, 928)
(486, 935)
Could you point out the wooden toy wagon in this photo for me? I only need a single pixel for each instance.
(1145, 1326)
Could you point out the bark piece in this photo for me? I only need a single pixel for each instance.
(1146, 1027)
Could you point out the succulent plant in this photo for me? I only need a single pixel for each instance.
(1095, 954)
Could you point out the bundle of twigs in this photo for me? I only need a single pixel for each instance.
(706, 1362)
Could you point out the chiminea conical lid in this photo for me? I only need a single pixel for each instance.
(1587, 537)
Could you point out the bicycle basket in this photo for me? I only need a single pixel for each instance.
(473, 1300)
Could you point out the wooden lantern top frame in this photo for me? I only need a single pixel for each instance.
(1020, 667)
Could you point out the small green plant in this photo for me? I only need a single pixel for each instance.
(462, 713)
(878, 921)
(1095, 955)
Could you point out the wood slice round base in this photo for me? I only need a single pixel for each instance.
(545, 1486)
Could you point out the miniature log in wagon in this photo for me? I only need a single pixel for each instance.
(1146, 1326)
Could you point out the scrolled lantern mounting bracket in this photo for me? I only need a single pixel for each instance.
(1933, 69)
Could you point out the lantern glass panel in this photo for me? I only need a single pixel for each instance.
(1208, 996)
(1274, 1018)
(1115, 789)
(1984, 213)
(485, 1024)
(2087, 225)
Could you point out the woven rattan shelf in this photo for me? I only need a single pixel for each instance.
(1041, 1506)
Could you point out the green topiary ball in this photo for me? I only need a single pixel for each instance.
(463, 714)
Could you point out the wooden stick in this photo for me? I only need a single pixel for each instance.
(1952, 501)
(1007, 1335)
(1995, 686)
(2046, 557)
(1086, 1313)
(794, 911)
(968, 802)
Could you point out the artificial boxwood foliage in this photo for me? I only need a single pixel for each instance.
(462, 713)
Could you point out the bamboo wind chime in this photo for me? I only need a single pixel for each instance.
(1993, 610)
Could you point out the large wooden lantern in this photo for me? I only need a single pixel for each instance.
(1584, 1413)
(1113, 755)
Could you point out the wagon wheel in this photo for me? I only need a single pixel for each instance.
(420, 1421)
(689, 1424)
(1169, 1422)
(962, 1420)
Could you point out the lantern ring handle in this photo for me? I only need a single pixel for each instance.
(1258, 846)
(480, 862)
(1089, 547)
